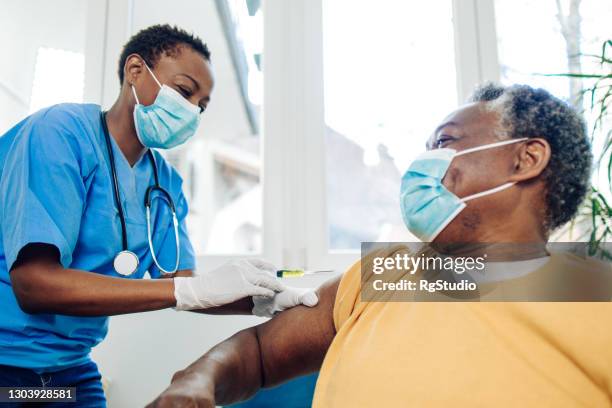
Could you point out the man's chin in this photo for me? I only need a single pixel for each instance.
(456, 245)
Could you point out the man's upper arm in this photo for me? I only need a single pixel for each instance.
(294, 343)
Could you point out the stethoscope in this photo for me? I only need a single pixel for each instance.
(126, 262)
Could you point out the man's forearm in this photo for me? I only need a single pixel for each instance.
(232, 370)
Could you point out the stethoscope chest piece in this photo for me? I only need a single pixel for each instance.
(125, 263)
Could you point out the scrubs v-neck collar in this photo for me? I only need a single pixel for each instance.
(128, 177)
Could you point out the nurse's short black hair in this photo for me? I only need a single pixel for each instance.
(151, 42)
(528, 112)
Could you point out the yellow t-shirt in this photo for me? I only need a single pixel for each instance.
(512, 354)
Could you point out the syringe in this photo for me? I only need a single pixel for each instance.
(297, 273)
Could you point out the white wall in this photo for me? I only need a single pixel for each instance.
(20, 44)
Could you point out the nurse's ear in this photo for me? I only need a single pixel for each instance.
(137, 75)
(133, 70)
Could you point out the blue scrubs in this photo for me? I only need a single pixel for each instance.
(55, 188)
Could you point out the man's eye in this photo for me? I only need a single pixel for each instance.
(443, 140)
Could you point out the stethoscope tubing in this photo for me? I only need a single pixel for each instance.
(111, 156)
(147, 203)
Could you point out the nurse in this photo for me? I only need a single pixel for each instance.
(76, 238)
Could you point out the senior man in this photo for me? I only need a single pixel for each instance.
(396, 354)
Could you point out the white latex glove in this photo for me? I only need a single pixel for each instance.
(263, 265)
(226, 284)
(288, 298)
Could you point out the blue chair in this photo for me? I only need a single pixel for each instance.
(296, 393)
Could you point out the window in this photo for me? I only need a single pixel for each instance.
(389, 70)
(221, 165)
(393, 69)
(555, 37)
(59, 76)
(236, 224)
(552, 38)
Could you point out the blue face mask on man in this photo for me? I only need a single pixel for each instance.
(427, 206)
(170, 121)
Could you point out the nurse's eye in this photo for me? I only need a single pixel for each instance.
(185, 92)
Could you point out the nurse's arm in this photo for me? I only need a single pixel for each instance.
(291, 344)
(42, 285)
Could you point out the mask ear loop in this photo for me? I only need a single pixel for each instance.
(135, 96)
(490, 146)
(487, 192)
(152, 74)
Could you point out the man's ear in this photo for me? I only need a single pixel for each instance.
(133, 69)
(531, 159)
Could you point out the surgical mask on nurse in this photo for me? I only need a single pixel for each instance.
(169, 121)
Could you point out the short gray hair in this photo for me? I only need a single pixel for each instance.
(528, 112)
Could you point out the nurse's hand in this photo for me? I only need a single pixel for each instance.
(226, 284)
(288, 298)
